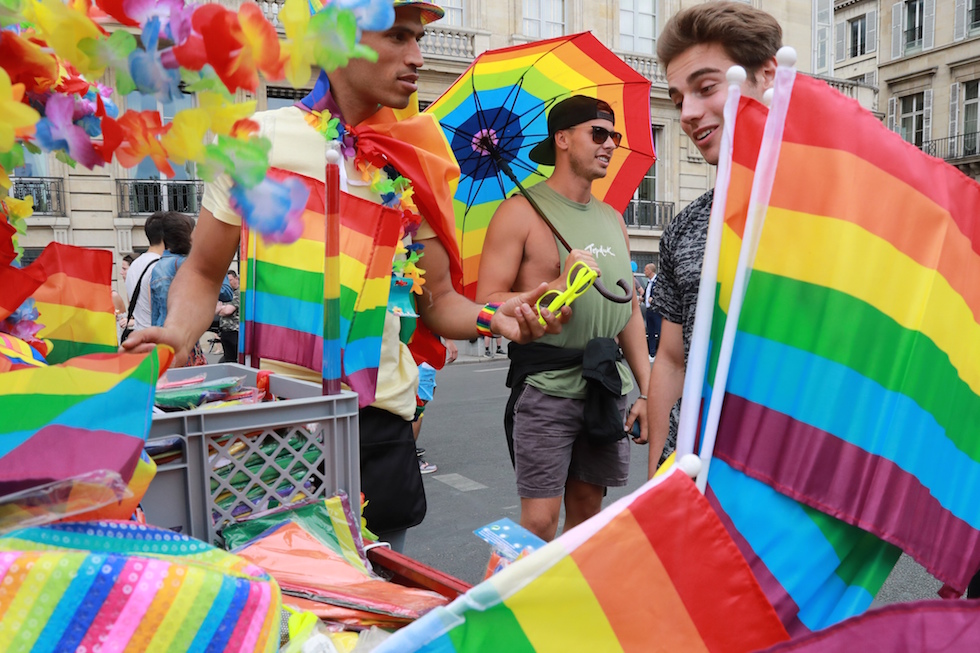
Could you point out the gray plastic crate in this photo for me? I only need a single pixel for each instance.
(251, 444)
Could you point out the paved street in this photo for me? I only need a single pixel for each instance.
(474, 485)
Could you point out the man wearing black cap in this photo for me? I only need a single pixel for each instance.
(566, 432)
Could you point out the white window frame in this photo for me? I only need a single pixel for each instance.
(912, 108)
(539, 20)
(857, 35)
(632, 15)
(970, 134)
(455, 13)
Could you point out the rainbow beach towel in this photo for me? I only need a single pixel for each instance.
(282, 289)
(654, 571)
(121, 586)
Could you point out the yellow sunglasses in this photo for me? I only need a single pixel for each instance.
(580, 278)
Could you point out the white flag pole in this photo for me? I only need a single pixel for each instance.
(697, 358)
(762, 181)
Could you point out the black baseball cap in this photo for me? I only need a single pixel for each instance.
(568, 113)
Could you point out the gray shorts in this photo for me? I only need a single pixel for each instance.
(550, 446)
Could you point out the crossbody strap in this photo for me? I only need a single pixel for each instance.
(136, 291)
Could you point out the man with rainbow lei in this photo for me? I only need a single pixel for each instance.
(392, 157)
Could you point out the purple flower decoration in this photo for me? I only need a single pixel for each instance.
(56, 131)
(273, 209)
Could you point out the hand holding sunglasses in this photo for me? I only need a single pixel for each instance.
(580, 278)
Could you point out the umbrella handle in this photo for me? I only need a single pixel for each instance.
(505, 168)
(622, 283)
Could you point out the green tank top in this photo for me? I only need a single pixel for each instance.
(595, 228)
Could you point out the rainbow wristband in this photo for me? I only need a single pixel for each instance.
(483, 319)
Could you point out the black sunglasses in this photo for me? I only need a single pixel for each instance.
(600, 134)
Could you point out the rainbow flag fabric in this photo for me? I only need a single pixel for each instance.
(72, 289)
(121, 586)
(654, 571)
(95, 411)
(75, 302)
(846, 566)
(920, 626)
(855, 370)
(282, 289)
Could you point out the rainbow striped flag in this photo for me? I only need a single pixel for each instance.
(75, 302)
(282, 289)
(120, 586)
(654, 571)
(94, 411)
(855, 370)
(847, 566)
(921, 626)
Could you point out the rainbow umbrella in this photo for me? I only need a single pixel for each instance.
(497, 111)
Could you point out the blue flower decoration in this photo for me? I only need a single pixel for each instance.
(273, 209)
(149, 74)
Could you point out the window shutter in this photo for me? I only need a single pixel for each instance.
(928, 24)
(896, 30)
(891, 113)
(927, 115)
(840, 46)
(872, 23)
(954, 110)
(959, 20)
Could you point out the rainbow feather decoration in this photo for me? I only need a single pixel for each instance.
(282, 288)
(119, 586)
(95, 411)
(632, 578)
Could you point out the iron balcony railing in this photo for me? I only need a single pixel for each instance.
(648, 214)
(954, 147)
(143, 196)
(913, 36)
(48, 193)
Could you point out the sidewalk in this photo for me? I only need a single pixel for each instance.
(473, 352)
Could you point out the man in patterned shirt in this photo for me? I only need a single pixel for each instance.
(698, 46)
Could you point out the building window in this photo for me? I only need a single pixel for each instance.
(454, 12)
(913, 23)
(971, 117)
(277, 97)
(912, 118)
(973, 14)
(544, 19)
(859, 36)
(638, 25)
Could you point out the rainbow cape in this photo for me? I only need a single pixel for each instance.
(855, 367)
(123, 586)
(654, 571)
(282, 289)
(847, 566)
(95, 411)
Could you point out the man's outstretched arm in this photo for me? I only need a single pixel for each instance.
(666, 386)
(194, 292)
(451, 315)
